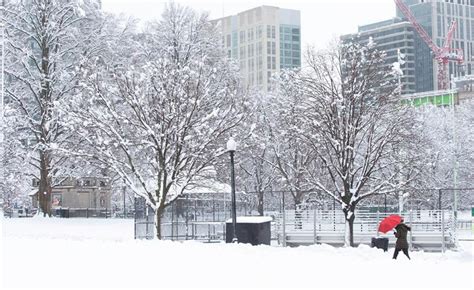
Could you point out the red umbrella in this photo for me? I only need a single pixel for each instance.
(389, 223)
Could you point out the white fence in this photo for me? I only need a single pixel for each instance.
(431, 229)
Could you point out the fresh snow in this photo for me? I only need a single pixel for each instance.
(252, 219)
(101, 253)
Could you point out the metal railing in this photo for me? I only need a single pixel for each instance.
(207, 231)
(429, 227)
(66, 212)
(464, 225)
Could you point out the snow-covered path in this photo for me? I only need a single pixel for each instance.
(102, 254)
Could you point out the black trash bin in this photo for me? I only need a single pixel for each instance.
(62, 212)
(380, 243)
(255, 230)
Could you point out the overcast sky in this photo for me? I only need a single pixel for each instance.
(321, 20)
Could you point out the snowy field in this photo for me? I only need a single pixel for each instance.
(100, 253)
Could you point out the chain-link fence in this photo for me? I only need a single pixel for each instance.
(144, 227)
(202, 216)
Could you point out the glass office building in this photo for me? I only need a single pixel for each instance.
(264, 40)
(435, 16)
(392, 36)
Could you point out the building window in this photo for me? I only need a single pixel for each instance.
(242, 52)
(259, 31)
(242, 65)
(250, 34)
(57, 199)
(242, 36)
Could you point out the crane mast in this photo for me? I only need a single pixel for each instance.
(442, 54)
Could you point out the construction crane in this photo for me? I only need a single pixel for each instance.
(442, 54)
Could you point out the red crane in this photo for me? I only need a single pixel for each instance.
(442, 54)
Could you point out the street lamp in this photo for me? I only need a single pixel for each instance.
(231, 147)
(2, 100)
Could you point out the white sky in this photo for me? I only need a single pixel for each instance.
(321, 20)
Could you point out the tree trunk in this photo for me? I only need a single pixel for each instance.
(260, 203)
(46, 106)
(298, 215)
(158, 215)
(349, 230)
(44, 191)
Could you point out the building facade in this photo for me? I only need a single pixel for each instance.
(264, 40)
(435, 16)
(91, 193)
(396, 38)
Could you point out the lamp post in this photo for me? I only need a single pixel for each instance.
(2, 102)
(455, 165)
(231, 147)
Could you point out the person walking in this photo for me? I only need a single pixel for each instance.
(402, 243)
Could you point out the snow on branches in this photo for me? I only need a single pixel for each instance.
(349, 103)
(45, 40)
(159, 107)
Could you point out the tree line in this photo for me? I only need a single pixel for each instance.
(92, 94)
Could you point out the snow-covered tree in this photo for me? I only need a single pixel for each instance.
(449, 134)
(160, 106)
(290, 157)
(14, 181)
(254, 173)
(45, 41)
(353, 120)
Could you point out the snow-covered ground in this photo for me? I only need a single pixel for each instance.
(100, 253)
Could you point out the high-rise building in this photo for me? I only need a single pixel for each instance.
(435, 16)
(264, 40)
(396, 38)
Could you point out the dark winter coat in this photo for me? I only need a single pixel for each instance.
(401, 234)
